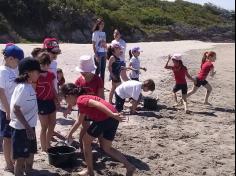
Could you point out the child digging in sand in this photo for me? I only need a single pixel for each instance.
(12, 55)
(180, 72)
(132, 89)
(24, 114)
(105, 123)
(206, 67)
(46, 98)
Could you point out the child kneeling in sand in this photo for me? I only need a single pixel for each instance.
(180, 72)
(132, 89)
(105, 123)
(24, 114)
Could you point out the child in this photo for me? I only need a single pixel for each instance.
(180, 72)
(60, 78)
(24, 113)
(91, 83)
(36, 51)
(206, 68)
(132, 89)
(46, 98)
(135, 63)
(105, 123)
(12, 55)
(114, 67)
(51, 45)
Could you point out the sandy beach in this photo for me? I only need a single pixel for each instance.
(165, 142)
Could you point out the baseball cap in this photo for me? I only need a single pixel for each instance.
(116, 44)
(177, 57)
(52, 45)
(136, 49)
(28, 64)
(12, 50)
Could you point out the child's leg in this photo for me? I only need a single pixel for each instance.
(184, 98)
(114, 86)
(29, 164)
(193, 91)
(19, 167)
(123, 75)
(175, 97)
(85, 126)
(209, 90)
(51, 127)
(44, 120)
(107, 147)
(8, 153)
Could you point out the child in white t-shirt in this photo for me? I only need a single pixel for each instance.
(132, 89)
(24, 115)
(12, 55)
(135, 64)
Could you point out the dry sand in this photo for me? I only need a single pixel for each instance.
(165, 142)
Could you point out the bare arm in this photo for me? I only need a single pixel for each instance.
(76, 125)
(5, 103)
(167, 66)
(212, 72)
(21, 118)
(189, 76)
(101, 93)
(101, 107)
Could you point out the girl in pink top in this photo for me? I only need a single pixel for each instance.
(206, 68)
(105, 123)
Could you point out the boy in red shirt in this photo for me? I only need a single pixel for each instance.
(105, 123)
(180, 73)
(46, 98)
(206, 68)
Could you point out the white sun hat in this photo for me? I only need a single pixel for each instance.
(86, 64)
(177, 57)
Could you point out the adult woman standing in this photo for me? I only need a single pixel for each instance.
(118, 39)
(100, 47)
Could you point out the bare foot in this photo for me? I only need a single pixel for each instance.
(9, 169)
(85, 173)
(207, 103)
(130, 171)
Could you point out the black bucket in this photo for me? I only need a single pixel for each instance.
(62, 156)
(150, 103)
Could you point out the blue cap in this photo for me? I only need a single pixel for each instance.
(13, 51)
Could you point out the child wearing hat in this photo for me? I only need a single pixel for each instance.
(132, 89)
(91, 83)
(12, 55)
(104, 126)
(46, 98)
(24, 114)
(180, 73)
(135, 64)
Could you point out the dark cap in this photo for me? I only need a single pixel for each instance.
(12, 50)
(28, 64)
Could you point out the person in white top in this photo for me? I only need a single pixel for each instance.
(12, 55)
(24, 115)
(132, 89)
(135, 64)
(118, 39)
(99, 48)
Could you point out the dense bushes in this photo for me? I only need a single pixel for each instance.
(146, 16)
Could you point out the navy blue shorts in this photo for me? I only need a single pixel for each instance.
(106, 128)
(21, 145)
(135, 79)
(122, 63)
(6, 130)
(46, 107)
(201, 82)
(182, 87)
(119, 103)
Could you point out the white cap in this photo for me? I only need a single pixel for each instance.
(86, 64)
(177, 57)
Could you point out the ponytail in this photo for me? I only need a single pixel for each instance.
(130, 54)
(72, 89)
(207, 55)
(22, 78)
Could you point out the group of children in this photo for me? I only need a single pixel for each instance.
(32, 87)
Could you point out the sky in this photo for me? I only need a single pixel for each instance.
(226, 4)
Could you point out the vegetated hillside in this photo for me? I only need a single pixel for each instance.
(138, 20)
